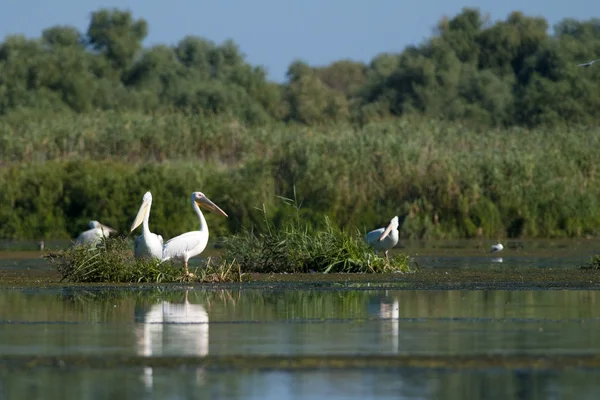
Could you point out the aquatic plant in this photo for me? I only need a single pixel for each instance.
(112, 260)
(297, 247)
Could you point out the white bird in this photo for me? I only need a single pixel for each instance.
(148, 244)
(93, 235)
(384, 238)
(497, 247)
(190, 244)
(587, 64)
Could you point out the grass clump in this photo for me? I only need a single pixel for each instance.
(298, 248)
(594, 263)
(112, 260)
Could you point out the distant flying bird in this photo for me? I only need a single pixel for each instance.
(190, 244)
(497, 247)
(587, 64)
(148, 244)
(384, 238)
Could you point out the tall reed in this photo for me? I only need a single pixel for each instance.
(446, 181)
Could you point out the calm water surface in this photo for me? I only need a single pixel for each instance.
(140, 324)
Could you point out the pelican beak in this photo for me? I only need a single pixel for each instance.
(206, 203)
(140, 215)
(386, 232)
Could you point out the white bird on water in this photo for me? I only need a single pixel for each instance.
(93, 235)
(190, 244)
(148, 244)
(497, 247)
(588, 64)
(384, 238)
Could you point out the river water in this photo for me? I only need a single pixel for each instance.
(285, 342)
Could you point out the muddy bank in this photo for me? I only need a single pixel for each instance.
(296, 363)
(426, 279)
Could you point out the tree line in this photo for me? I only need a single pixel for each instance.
(472, 70)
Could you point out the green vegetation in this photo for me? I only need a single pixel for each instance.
(112, 261)
(442, 179)
(295, 248)
(486, 129)
(298, 248)
(593, 263)
(502, 73)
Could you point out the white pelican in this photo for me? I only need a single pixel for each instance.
(587, 64)
(93, 235)
(384, 238)
(190, 244)
(497, 247)
(148, 244)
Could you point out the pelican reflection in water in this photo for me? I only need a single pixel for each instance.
(387, 309)
(172, 329)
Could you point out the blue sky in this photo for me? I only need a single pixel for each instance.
(275, 32)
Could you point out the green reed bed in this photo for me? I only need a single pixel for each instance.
(294, 249)
(448, 181)
(112, 261)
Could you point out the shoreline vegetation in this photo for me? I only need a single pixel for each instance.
(294, 249)
(486, 129)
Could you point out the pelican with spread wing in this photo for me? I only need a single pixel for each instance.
(384, 238)
(94, 234)
(190, 244)
(148, 244)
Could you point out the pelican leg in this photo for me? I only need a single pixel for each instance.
(386, 257)
(187, 271)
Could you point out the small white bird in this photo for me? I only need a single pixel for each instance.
(148, 244)
(497, 247)
(190, 244)
(93, 235)
(384, 238)
(587, 64)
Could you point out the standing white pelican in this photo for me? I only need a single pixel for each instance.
(190, 244)
(93, 235)
(148, 244)
(384, 238)
(588, 64)
(497, 247)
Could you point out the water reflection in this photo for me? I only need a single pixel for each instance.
(256, 322)
(172, 328)
(387, 308)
